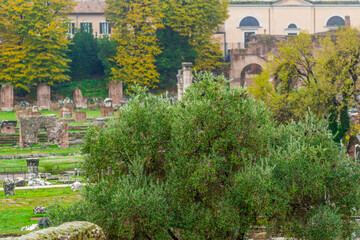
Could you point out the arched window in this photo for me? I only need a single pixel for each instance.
(292, 29)
(249, 22)
(335, 21)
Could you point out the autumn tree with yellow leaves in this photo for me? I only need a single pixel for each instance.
(34, 42)
(135, 23)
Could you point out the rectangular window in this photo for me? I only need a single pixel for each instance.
(105, 28)
(71, 29)
(86, 27)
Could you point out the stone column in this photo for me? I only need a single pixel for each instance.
(79, 100)
(32, 165)
(184, 78)
(116, 92)
(7, 97)
(43, 96)
(347, 21)
(64, 140)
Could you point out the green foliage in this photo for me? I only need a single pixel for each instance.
(175, 50)
(34, 43)
(209, 166)
(84, 55)
(107, 50)
(317, 73)
(89, 88)
(188, 28)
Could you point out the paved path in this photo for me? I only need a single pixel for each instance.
(47, 186)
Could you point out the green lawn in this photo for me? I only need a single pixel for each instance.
(37, 150)
(45, 164)
(14, 209)
(89, 113)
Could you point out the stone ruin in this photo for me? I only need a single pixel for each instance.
(116, 92)
(57, 131)
(65, 113)
(79, 116)
(9, 187)
(69, 230)
(184, 79)
(7, 97)
(43, 97)
(8, 126)
(79, 100)
(27, 112)
(32, 165)
(107, 108)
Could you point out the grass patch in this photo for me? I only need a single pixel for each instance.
(45, 164)
(14, 209)
(35, 150)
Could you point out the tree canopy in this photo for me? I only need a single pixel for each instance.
(211, 166)
(138, 30)
(319, 73)
(34, 42)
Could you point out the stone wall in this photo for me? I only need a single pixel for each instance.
(68, 231)
(57, 131)
(7, 97)
(43, 97)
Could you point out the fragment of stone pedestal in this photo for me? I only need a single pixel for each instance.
(8, 126)
(107, 102)
(116, 92)
(36, 182)
(52, 177)
(7, 97)
(20, 182)
(32, 165)
(39, 210)
(76, 186)
(35, 109)
(24, 104)
(67, 114)
(43, 96)
(32, 227)
(44, 222)
(80, 116)
(9, 187)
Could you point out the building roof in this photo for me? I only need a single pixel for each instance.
(90, 7)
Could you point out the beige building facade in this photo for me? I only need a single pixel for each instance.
(89, 16)
(284, 17)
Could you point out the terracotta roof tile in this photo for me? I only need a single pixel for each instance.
(90, 7)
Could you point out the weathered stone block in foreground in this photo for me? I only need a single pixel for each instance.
(69, 231)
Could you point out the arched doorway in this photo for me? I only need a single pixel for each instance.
(248, 72)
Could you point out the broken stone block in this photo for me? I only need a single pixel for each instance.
(8, 126)
(80, 116)
(7, 97)
(20, 182)
(44, 222)
(106, 111)
(39, 210)
(32, 227)
(79, 100)
(43, 96)
(116, 92)
(76, 186)
(9, 187)
(67, 114)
